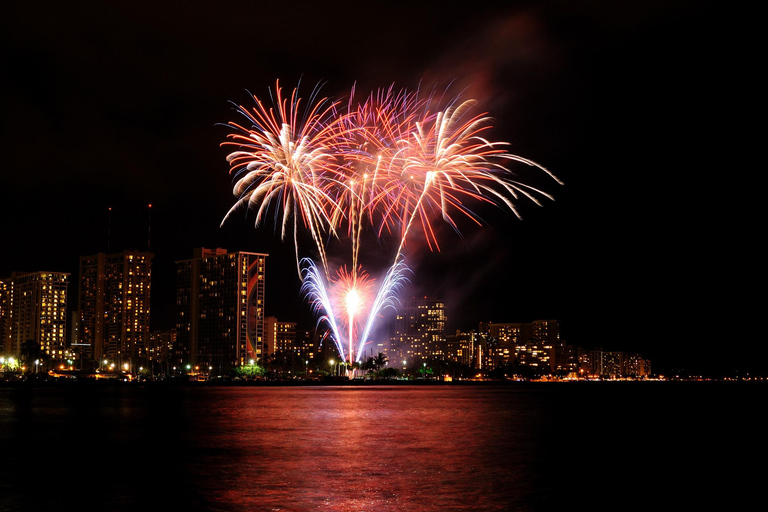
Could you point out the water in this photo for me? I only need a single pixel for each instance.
(525, 447)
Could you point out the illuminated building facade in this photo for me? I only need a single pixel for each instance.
(419, 331)
(160, 349)
(636, 365)
(608, 364)
(280, 336)
(114, 308)
(538, 349)
(306, 340)
(6, 323)
(460, 347)
(220, 309)
(615, 364)
(33, 306)
(502, 341)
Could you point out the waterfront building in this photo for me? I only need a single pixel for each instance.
(286, 338)
(534, 344)
(307, 341)
(617, 364)
(419, 331)
(33, 307)
(502, 341)
(114, 308)
(280, 336)
(6, 322)
(537, 348)
(160, 349)
(460, 347)
(636, 365)
(607, 364)
(220, 309)
(566, 359)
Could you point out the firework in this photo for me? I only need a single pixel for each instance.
(348, 304)
(371, 133)
(386, 162)
(287, 159)
(447, 165)
(314, 289)
(351, 296)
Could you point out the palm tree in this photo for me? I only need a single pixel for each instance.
(368, 365)
(380, 361)
(375, 364)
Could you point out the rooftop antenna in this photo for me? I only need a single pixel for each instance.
(149, 224)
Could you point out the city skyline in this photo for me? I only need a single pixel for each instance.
(118, 108)
(116, 287)
(220, 328)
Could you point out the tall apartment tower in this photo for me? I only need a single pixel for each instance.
(114, 307)
(33, 306)
(419, 330)
(280, 336)
(502, 339)
(220, 309)
(6, 325)
(460, 347)
(542, 347)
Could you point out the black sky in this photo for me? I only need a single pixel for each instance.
(646, 247)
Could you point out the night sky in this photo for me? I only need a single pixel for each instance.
(649, 245)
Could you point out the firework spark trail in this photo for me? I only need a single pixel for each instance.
(385, 297)
(351, 293)
(351, 298)
(455, 164)
(371, 131)
(285, 159)
(314, 289)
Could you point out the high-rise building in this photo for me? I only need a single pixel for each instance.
(501, 342)
(419, 331)
(616, 364)
(6, 322)
(220, 309)
(280, 336)
(33, 307)
(160, 349)
(114, 307)
(636, 365)
(539, 349)
(461, 347)
(567, 359)
(307, 343)
(608, 364)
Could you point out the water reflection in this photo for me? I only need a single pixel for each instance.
(371, 449)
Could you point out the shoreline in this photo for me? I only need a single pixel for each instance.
(177, 383)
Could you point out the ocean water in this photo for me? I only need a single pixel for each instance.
(409, 448)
